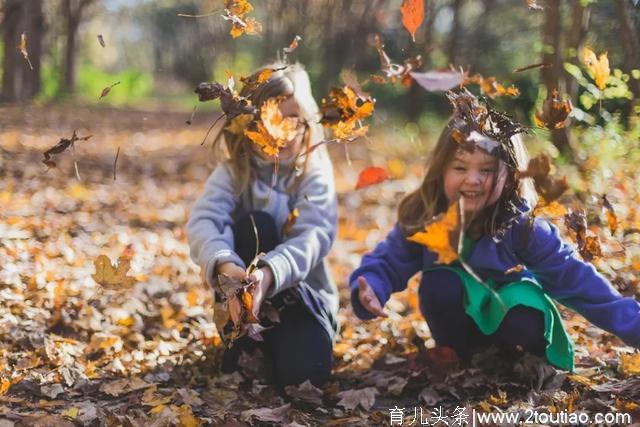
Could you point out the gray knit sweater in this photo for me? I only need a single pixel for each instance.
(301, 255)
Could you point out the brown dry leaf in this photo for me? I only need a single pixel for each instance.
(239, 123)
(599, 66)
(113, 277)
(490, 87)
(548, 187)
(412, 15)
(395, 72)
(123, 386)
(351, 399)
(22, 47)
(343, 111)
(441, 235)
(555, 112)
(107, 89)
(588, 246)
(101, 40)
(60, 147)
(271, 415)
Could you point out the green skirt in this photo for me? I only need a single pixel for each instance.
(488, 304)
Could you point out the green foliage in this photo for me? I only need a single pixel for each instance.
(50, 86)
(134, 86)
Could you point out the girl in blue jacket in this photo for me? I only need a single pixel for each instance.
(476, 159)
(293, 274)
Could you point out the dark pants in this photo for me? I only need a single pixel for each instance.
(299, 347)
(441, 302)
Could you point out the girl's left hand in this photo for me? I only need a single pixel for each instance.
(263, 278)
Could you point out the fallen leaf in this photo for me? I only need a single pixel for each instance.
(306, 392)
(351, 399)
(273, 415)
(110, 276)
(412, 15)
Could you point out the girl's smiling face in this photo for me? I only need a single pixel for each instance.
(471, 176)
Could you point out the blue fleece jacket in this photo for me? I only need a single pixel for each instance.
(563, 276)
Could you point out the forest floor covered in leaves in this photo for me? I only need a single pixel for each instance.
(73, 353)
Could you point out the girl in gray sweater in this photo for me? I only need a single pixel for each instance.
(293, 274)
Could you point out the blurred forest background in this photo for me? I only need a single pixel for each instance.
(158, 56)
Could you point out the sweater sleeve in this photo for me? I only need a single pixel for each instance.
(311, 235)
(578, 285)
(387, 269)
(209, 226)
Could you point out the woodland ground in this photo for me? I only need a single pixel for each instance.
(73, 353)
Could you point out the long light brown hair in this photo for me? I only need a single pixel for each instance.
(288, 80)
(420, 206)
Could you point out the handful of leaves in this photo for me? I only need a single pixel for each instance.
(234, 311)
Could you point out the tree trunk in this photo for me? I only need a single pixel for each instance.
(454, 36)
(629, 39)
(579, 27)
(552, 54)
(72, 11)
(19, 81)
(10, 38)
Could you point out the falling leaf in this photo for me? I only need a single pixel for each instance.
(555, 112)
(412, 15)
(343, 111)
(113, 277)
(293, 45)
(22, 47)
(553, 209)
(438, 80)
(372, 175)
(107, 89)
(612, 218)
(231, 104)
(490, 87)
(533, 5)
(548, 187)
(351, 399)
(273, 131)
(235, 12)
(60, 147)
(532, 66)
(441, 235)
(392, 71)
(599, 67)
(588, 246)
(101, 40)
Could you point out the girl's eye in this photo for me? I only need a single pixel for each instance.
(487, 171)
(459, 168)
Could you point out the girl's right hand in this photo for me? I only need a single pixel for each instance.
(368, 298)
(231, 270)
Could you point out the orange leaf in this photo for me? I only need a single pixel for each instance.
(441, 235)
(412, 15)
(554, 112)
(372, 175)
(612, 218)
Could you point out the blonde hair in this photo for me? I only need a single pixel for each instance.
(420, 206)
(288, 80)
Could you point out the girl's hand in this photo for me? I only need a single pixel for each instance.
(263, 278)
(231, 270)
(368, 298)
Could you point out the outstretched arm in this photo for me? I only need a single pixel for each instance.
(578, 285)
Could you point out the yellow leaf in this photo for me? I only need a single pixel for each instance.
(186, 417)
(440, 236)
(112, 277)
(630, 364)
(599, 67)
(4, 385)
(157, 409)
(71, 413)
